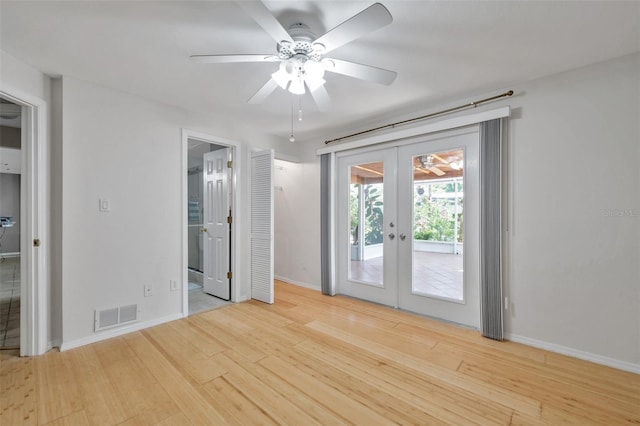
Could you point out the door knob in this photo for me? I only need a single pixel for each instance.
(402, 236)
(203, 230)
(392, 236)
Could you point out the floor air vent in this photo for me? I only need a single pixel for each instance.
(108, 318)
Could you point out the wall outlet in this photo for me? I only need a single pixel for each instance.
(147, 290)
(173, 285)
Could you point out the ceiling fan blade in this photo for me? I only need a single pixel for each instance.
(226, 59)
(264, 91)
(322, 99)
(259, 12)
(437, 171)
(420, 169)
(372, 18)
(364, 72)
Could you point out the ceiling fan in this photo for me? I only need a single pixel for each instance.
(427, 163)
(301, 54)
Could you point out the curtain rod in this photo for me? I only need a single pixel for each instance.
(433, 114)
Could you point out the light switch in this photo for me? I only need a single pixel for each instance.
(104, 205)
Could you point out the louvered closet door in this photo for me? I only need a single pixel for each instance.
(262, 226)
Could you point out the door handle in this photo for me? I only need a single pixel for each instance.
(402, 236)
(203, 230)
(392, 236)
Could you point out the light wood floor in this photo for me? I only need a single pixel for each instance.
(311, 359)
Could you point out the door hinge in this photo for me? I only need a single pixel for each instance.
(36, 242)
(229, 164)
(229, 219)
(229, 275)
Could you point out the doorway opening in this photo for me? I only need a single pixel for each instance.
(209, 190)
(10, 222)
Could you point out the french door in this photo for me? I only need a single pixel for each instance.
(408, 227)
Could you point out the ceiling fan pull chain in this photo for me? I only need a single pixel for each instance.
(292, 138)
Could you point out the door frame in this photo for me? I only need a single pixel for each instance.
(235, 205)
(34, 207)
(399, 137)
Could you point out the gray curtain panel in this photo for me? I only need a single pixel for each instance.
(325, 229)
(491, 229)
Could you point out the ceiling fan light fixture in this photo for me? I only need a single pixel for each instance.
(313, 70)
(297, 86)
(281, 77)
(300, 53)
(426, 161)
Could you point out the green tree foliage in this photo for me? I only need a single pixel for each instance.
(434, 217)
(373, 213)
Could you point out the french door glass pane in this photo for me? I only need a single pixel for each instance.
(366, 210)
(438, 212)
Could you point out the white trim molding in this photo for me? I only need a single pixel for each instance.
(35, 300)
(576, 353)
(235, 204)
(431, 127)
(298, 283)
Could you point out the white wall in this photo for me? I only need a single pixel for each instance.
(574, 278)
(128, 150)
(573, 274)
(19, 76)
(296, 193)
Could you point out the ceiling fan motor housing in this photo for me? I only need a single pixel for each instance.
(303, 44)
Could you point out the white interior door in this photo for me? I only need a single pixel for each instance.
(216, 228)
(367, 247)
(408, 227)
(262, 226)
(439, 219)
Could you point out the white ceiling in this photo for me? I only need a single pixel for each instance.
(442, 51)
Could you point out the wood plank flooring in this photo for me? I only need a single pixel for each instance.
(311, 359)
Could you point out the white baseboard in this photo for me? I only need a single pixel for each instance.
(298, 283)
(564, 350)
(108, 334)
